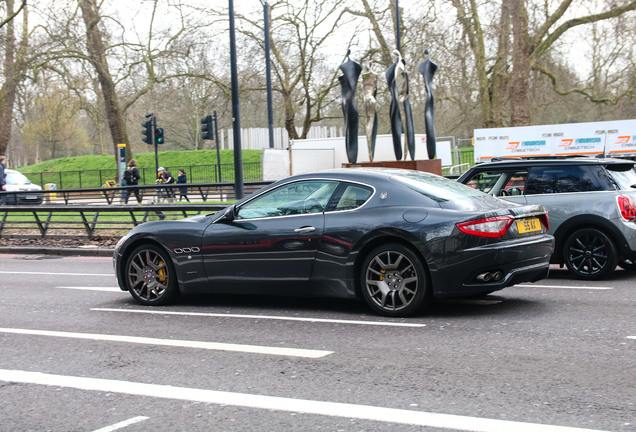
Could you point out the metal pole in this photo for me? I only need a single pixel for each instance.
(236, 122)
(216, 138)
(398, 35)
(154, 142)
(268, 75)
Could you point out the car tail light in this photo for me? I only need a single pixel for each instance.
(493, 227)
(544, 220)
(626, 206)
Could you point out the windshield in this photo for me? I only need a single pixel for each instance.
(17, 178)
(436, 187)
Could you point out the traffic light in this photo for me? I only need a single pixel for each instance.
(159, 135)
(147, 132)
(206, 128)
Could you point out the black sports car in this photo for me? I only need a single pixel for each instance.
(395, 238)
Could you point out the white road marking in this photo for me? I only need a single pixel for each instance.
(122, 424)
(265, 317)
(87, 288)
(55, 274)
(631, 337)
(482, 302)
(564, 286)
(254, 349)
(333, 409)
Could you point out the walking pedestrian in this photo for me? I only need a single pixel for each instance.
(183, 191)
(131, 178)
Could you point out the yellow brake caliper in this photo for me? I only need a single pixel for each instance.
(162, 272)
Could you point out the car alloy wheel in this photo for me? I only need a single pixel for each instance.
(150, 277)
(393, 280)
(589, 254)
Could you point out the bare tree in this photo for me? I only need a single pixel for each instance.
(14, 62)
(530, 46)
(300, 33)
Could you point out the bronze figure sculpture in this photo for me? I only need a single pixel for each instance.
(427, 68)
(348, 81)
(400, 112)
(369, 82)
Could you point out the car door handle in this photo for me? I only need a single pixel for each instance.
(305, 229)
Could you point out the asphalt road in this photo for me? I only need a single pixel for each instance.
(78, 355)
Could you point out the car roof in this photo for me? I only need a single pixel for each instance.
(352, 174)
(525, 162)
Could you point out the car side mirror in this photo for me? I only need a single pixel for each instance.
(229, 215)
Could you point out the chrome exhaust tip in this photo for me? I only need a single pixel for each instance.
(484, 277)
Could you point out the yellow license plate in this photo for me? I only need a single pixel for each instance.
(528, 225)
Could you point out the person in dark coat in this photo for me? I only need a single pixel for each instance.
(131, 178)
(183, 191)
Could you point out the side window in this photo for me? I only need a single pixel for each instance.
(515, 184)
(302, 197)
(499, 182)
(563, 179)
(350, 196)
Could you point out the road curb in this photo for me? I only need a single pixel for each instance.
(105, 252)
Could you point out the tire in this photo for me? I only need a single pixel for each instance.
(150, 276)
(627, 264)
(393, 281)
(589, 254)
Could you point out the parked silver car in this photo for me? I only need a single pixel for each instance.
(590, 205)
(21, 188)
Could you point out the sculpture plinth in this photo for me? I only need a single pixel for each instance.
(433, 166)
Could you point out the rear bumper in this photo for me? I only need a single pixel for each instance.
(516, 262)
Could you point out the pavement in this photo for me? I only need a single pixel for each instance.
(61, 251)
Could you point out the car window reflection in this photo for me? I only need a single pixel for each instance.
(301, 197)
(563, 179)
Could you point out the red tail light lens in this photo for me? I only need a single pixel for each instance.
(544, 220)
(493, 227)
(626, 206)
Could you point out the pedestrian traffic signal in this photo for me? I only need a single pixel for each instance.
(146, 132)
(159, 135)
(206, 128)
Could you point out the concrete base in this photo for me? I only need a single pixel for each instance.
(428, 165)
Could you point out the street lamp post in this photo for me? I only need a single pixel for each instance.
(268, 75)
(236, 122)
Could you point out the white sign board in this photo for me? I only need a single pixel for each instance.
(611, 138)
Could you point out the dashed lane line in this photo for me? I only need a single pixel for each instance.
(564, 287)
(88, 288)
(253, 349)
(332, 409)
(55, 274)
(263, 317)
(122, 424)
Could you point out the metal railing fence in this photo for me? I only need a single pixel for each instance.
(148, 194)
(96, 211)
(92, 219)
(81, 179)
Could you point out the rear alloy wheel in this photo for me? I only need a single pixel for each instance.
(393, 281)
(150, 277)
(589, 254)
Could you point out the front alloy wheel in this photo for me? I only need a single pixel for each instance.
(393, 281)
(589, 254)
(150, 277)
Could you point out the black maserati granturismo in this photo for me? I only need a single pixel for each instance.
(397, 239)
